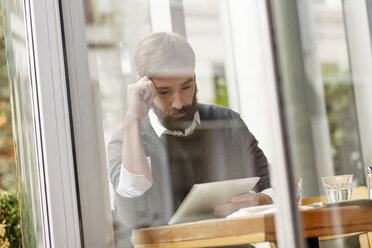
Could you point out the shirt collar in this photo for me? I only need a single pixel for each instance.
(160, 129)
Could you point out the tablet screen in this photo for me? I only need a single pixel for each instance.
(202, 198)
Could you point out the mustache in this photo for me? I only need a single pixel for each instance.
(184, 109)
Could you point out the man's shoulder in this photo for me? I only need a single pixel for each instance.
(216, 112)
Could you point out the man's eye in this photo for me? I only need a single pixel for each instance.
(185, 88)
(163, 92)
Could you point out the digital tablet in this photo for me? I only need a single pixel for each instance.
(202, 198)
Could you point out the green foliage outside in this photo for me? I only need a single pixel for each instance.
(221, 92)
(342, 121)
(10, 228)
(339, 122)
(9, 216)
(7, 165)
(30, 217)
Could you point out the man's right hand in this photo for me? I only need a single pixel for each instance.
(140, 96)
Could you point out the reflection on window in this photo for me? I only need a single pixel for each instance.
(113, 29)
(207, 42)
(220, 85)
(339, 95)
(24, 125)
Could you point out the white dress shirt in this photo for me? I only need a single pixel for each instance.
(132, 185)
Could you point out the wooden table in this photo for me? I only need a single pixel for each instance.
(256, 228)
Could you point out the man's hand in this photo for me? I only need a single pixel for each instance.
(252, 197)
(140, 96)
(243, 200)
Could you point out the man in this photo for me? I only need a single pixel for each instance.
(169, 142)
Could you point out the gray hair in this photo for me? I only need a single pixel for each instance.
(164, 54)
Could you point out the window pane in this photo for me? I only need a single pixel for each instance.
(23, 125)
(338, 89)
(188, 136)
(166, 127)
(320, 69)
(113, 29)
(208, 44)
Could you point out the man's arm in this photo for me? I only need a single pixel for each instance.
(258, 166)
(255, 160)
(126, 153)
(131, 211)
(139, 99)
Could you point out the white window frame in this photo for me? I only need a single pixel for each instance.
(94, 198)
(53, 137)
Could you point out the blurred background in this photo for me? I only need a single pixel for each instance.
(7, 162)
(322, 120)
(10, 230)
(113, 29)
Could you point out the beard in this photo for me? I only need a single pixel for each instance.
(172, 123)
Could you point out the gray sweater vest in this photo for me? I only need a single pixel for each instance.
(221, 148)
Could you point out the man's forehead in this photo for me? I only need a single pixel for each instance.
(174, 77)
(170, 81)
(176, 72)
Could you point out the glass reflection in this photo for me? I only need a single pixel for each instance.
(113, 29)
(23, 124)
(184, 142)
(338, 89)
(320, 111)
(321, 121)
(169, 143)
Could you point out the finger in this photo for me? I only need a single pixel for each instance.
(229, 208)
(148, 100)
(248, 196)
(151, 100)
(151, 88)
(145, 94)
(264, 199)
(142, 82)
(147, 89)
(145, 80)
(224, 209)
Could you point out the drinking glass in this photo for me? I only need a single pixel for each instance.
(299, 191)
(338, 188)
(369, 184)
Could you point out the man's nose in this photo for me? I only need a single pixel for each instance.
(177, 102)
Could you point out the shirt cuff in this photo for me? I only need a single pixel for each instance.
(132, 185)
(269, 192)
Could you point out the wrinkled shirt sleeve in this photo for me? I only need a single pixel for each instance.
(132, 185)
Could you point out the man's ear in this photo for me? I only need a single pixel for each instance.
(138, 77)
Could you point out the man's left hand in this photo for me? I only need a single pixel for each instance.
(243, 200)
(253, 197)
